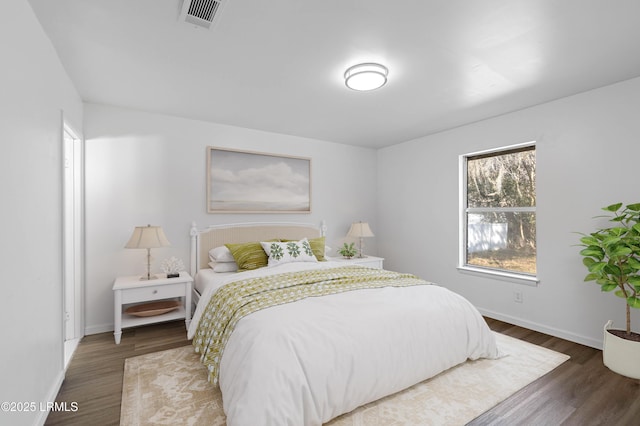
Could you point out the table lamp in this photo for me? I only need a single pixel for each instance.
(360, 230)
(148, 237)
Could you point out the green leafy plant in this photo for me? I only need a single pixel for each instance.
(612, 255)
(348, 250)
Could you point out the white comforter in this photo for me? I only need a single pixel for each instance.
(307, 362)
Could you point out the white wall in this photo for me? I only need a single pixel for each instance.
(587, 153)
(144, 168)
(35, 93)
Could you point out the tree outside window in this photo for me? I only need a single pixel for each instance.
(499, 210)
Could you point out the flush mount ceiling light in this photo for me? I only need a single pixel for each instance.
(368, 76)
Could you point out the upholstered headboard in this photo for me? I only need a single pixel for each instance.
(217, 235)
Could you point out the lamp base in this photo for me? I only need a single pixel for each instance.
(360, 254)
(145, 278)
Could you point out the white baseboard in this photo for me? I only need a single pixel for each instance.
(97, 329)
(563, 334)
(51, 397)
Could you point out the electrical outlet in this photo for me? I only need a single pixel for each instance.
(517, 296)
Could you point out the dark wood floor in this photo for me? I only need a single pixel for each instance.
(582, 391)
(94, 376)
(579, 392)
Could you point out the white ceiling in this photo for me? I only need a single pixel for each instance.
(278, 65)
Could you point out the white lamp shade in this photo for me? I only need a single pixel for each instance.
(368, 76)
(148, 237)
(360, 230)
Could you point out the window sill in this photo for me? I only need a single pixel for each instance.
(500, 275)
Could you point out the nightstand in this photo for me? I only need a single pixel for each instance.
(369, 261)
(130, 291)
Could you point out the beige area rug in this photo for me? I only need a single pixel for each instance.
(170, 388)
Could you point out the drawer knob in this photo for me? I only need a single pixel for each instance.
(155, 291)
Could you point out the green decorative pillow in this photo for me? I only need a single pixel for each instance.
(248, 255)
(317, 246)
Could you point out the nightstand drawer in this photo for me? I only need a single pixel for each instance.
(369, 261)
(153, 293)
(377, 264)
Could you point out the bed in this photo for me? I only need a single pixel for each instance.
(300, 342)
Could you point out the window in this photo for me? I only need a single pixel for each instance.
(498, 211)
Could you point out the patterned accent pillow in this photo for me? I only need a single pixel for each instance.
(318, 247)
(288, 251)
(248, 255)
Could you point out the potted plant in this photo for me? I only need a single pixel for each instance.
(348, 250)
(612, 256)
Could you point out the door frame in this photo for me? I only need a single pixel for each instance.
(72, 240)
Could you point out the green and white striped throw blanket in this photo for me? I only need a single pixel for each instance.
(235, 300)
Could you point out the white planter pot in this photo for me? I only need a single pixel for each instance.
(620, 355)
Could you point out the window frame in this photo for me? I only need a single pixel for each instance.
(463, 210)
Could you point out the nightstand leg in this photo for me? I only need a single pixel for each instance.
(187, 305)
(117, 317)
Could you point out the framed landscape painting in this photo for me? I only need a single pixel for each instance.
(256, 182)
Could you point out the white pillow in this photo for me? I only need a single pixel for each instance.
(221, 255)
(224, 267)
(291, 251)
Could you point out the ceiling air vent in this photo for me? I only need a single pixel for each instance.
(200, 12)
